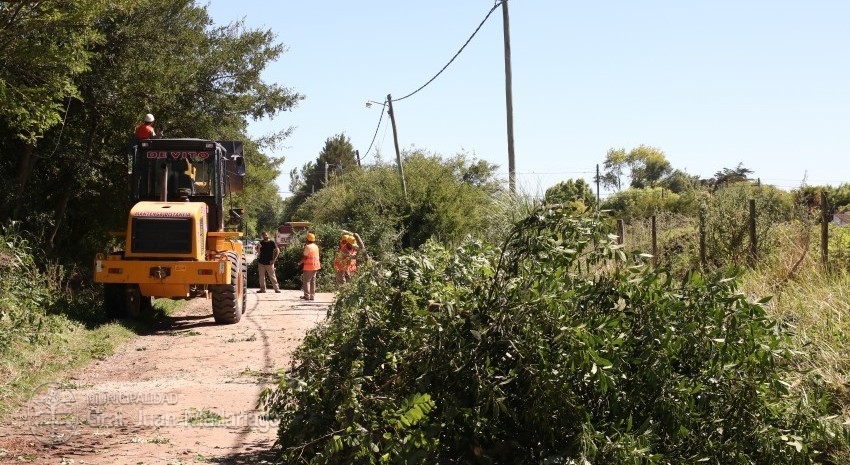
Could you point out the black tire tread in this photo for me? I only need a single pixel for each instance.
(225, 302)
(244, 284)
(113, 301)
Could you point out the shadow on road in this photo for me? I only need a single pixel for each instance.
(259, 455)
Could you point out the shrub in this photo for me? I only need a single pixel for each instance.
(28, 294)
(447, 199)
(645, 202)
(558, 348)
(727, 222)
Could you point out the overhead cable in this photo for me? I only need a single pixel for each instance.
(456, 54)
(383, 108)
(61, 131)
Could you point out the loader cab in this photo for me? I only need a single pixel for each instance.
(187, 170)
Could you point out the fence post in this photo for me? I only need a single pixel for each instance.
(621, 232)
(702, 237)
(824, 229)
(654, 243)
(753, 245)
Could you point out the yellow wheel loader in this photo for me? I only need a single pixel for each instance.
(178, 243)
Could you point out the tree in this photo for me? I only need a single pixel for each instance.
(442, 201)
(680, 181)
(267, 217)
(478, 173)
(648, 165)
(45, 45)
(577, 191)
(614, 166)
(337, 156)
(207, 82)
(728, 176)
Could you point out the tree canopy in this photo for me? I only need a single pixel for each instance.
(336, 157)
(728, 176)
(571, 190)
(646, 167)
(84, 73)
(447, 199)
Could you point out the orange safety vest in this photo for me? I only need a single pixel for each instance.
(352, 262)
(311, 258)
(345, 259)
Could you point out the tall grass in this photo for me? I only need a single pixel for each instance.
(45, 327)
(814, 299)
(810, 296)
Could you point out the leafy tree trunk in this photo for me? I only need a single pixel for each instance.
(60, 213)
(26, 164)
(71, 183)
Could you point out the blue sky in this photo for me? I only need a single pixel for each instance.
(712, 84)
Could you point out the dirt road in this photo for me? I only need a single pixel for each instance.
(185, 394)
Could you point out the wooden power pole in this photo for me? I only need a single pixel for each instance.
(597, 186)
(509, 97)
(395, 141)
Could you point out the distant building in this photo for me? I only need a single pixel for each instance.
(841, 219)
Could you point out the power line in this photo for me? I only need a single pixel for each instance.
(61, 131)
(381, 118)
(456, 54)
(384, 137)
(549, 172)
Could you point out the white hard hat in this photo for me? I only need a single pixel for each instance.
(149, 118)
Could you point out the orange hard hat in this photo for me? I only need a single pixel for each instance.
(349, 239)
(311, 237)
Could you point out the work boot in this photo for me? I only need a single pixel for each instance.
(277, 291)
(261, 291)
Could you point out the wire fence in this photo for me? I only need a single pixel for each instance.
(709, 241)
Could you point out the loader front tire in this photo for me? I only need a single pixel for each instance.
(244, 284)
(227, 299)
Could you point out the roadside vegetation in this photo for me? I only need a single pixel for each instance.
(49, 324)
(482, 326)
(547, 341)
(74, 85)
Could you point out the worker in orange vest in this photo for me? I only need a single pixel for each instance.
(345, 262)
(311, 266)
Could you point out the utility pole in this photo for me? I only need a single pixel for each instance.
(597, 185)
(395, 141)
(326, 173)
(509, 97)
(357, 152)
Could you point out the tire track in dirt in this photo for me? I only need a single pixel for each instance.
(186, 393)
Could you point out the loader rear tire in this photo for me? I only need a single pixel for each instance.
(135, 302)
(227, 299)
(113, 301)
(125, 301)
